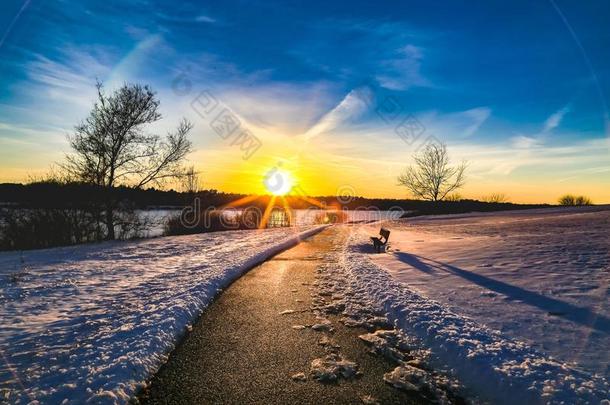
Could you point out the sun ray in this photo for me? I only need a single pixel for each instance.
(241, 201)
(268, 209)
(287, 208)
(312, 201)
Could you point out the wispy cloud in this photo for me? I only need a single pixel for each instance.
(392, 53)
(525, 142)
(205, 18)
(66, 73)
(353, 105)
(32, 135)
(58, 90)
(477, 117)
(286, 108)
(140, 56)
(554, 120)
(186, 18)
(455, 125)
(551, 161)
(404, 70)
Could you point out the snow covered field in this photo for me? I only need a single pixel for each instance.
(542, 278)
(539, 277)
(93, 322)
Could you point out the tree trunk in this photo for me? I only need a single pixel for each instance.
(110, 204)
(110, 222)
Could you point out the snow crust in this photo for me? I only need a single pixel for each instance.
(332, 367)
(407, 378)
(92, 323)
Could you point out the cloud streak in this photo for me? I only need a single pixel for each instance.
(404, 70)
(352, 106)
(205, 18)
(554, 120)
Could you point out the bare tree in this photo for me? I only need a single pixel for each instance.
(190, 181)
(431, 178)
(495, 198)
(573, 200)
(110, 147)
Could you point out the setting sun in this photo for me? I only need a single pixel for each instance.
(278, 181)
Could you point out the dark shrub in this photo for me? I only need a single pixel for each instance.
(40, 228)
(43, 228)
(212, 221)
(572, 200)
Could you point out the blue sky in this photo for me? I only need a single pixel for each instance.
(516, 88)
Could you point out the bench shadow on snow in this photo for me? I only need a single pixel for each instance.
(364, 248)
(573, 313)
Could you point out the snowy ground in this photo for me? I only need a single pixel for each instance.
(93, 322)
(540, 278)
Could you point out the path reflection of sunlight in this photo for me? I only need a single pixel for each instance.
(278, 274)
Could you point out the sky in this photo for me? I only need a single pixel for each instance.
(340, 94)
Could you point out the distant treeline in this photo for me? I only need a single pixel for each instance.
(76, 195)
(49, 213)
(420, 207)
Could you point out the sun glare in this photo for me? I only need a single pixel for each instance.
(278, 181)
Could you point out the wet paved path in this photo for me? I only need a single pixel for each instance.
(242, 350)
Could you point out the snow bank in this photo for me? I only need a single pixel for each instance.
(94, 322)
(495, 367)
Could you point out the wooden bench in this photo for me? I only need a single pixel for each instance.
(382, 241)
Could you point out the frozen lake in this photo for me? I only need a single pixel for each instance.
(302, 217)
